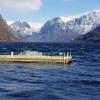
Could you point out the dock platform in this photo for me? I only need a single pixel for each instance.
(36, 59)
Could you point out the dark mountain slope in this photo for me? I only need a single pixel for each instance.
(92, 36)
(6, 34)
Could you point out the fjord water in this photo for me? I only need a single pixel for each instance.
(78, 81)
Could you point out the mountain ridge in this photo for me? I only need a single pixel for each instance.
(92, 36)
(59, 29)
(6, 34)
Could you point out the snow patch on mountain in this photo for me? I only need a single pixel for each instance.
(84, 23)
(21, 29)
(66, 19)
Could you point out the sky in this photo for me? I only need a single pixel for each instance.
(39, 11)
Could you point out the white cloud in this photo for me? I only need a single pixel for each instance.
(36, 24)
(9, 22)
(20, 4)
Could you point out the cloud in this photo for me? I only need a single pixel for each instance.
(9, 22)
(20, 5)
(37, 25)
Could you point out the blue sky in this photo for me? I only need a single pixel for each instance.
(40, 11)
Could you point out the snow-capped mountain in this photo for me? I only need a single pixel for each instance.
(57, 30)
(22, 29)
(85, 22)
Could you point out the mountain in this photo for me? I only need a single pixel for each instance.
(59, 30)
(35, 37)
(92, 36)
(55, 30)
(6, 34)
(85, 22)
(21, 29)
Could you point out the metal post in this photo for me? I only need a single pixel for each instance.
(67, 54)
(64, 58)
(12, 54)
(70, 54)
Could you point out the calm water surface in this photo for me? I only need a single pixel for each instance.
(78, 81)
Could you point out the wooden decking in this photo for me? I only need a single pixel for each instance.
(36, 59)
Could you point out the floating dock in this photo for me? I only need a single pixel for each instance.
(36, 59)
